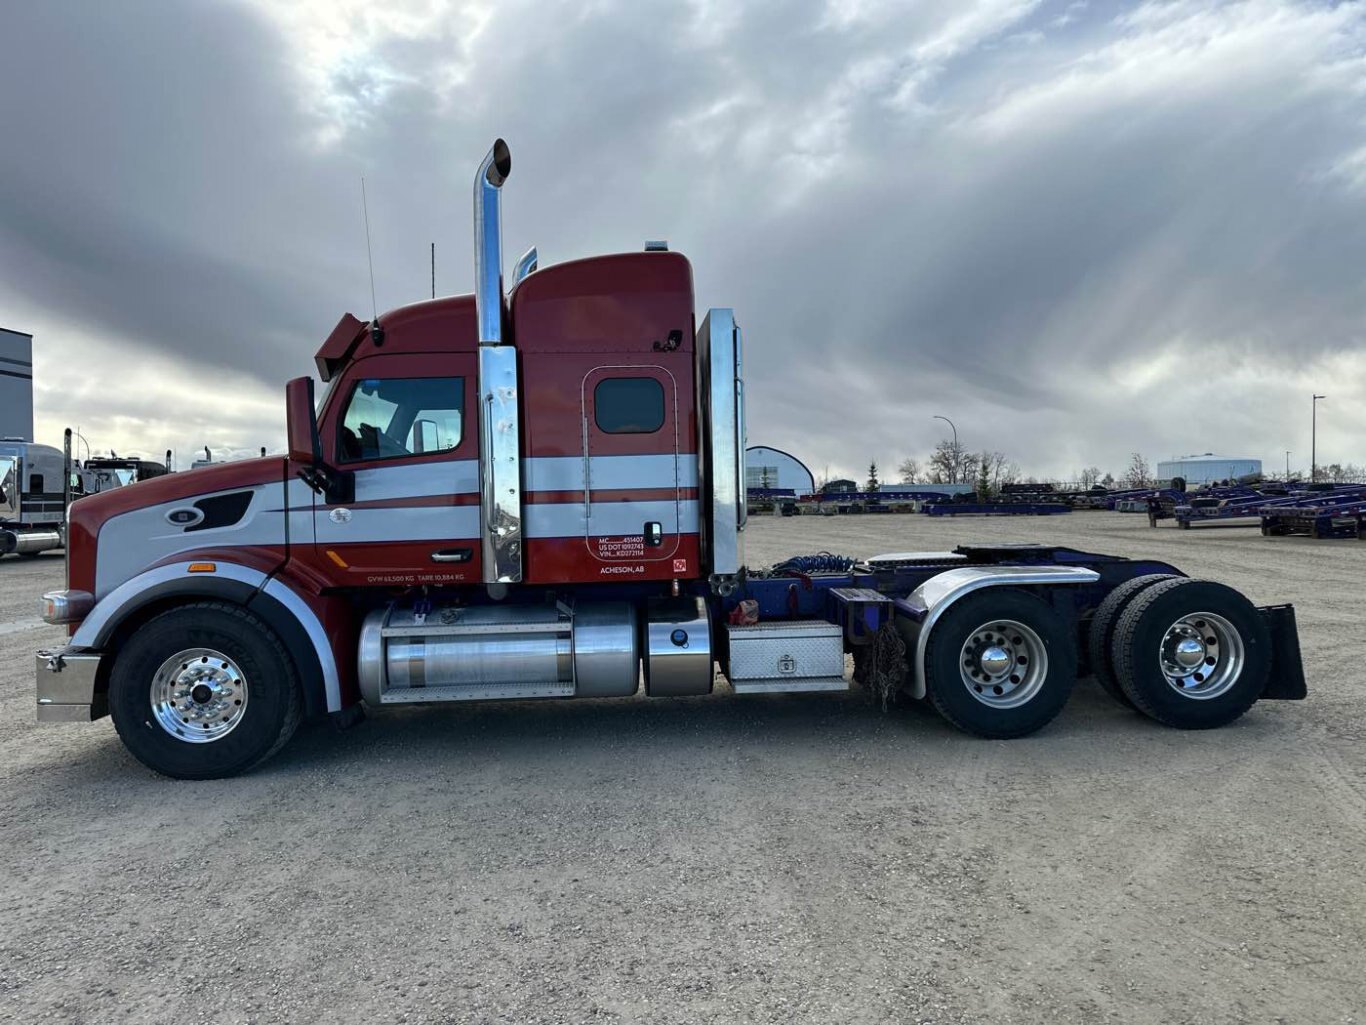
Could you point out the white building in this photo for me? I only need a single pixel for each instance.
(772, 468)
(16, 385)
(1207, 468)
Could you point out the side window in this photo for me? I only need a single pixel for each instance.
(628, 405)
(387, 418)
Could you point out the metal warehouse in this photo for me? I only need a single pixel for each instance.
(1207, 468)
(16, 385)
(772, 468)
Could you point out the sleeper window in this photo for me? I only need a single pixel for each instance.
(629, 405)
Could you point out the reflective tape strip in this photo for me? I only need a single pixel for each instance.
(565, 473)
(405, 523)
(419, 480)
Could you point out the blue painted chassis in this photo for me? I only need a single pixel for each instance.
(809, 596)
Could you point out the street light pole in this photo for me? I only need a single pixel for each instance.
(954, 472)
(1314, 440)
(1287, 464)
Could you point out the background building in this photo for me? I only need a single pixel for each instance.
(16, 385)
(772, 468)
(1207, 468)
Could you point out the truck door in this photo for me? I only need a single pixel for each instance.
(403, 426)
(631, 464)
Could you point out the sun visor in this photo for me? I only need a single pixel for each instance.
(341, 343)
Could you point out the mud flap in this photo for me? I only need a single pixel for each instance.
(1285, 682)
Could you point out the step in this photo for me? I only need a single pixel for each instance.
(782, 685)
(476, 692)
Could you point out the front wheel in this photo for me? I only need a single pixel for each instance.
(204, 691)
(1191, 653)
(1000, 664)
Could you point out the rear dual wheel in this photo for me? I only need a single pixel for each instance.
(1192, 654)
(1000, 663)
(1101, 635)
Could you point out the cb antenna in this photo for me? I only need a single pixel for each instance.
(376, 332)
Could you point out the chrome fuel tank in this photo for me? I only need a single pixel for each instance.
(454, 653)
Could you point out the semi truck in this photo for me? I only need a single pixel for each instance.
(35, 487)
(538, 491)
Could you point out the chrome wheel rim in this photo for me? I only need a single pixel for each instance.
(1003, 663)
(1201, 656)
(199, 695)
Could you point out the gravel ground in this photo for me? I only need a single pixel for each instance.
(761, 859)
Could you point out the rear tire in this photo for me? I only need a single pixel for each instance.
(1191, 654)
(1102, 632)
(1012, 631)
(204, 691)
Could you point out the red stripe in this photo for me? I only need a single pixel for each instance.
(412, 502)
(611, 495)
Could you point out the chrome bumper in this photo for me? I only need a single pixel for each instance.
(66, 686)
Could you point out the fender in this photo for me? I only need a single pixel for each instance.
(916, 614)
(276, 603)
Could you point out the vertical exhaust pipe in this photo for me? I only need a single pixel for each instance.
(488, 242)
(500, 426)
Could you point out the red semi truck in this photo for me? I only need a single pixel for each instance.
(540, 494)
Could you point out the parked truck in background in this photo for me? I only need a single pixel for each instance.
(37, 483)
(541, 494)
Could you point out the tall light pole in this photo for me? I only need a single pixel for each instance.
(954, 471)
(1287, 464)
(1314, 440)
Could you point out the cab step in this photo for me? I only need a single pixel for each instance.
(476, 692)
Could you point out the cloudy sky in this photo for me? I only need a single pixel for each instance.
(1077, 228)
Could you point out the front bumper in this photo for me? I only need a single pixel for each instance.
(66, 682)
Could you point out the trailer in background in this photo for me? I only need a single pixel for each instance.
(1336, 514)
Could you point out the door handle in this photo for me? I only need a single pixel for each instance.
(453, 555)
(654, 534)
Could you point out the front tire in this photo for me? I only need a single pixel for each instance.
(1192, 654)
(1000, 663)
(204, 691)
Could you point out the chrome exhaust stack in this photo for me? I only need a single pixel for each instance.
(488, 242)
(500, 427)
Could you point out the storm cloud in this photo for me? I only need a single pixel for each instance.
(1078, 229)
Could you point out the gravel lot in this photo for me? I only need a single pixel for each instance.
(760, 859)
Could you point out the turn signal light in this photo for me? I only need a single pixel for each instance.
(203, 567)
(66, 606)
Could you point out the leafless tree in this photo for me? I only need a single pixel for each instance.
(909, 471)
(1139, 474)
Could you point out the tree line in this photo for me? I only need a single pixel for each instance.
(988, 471)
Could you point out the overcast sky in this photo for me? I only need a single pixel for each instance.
(1077, 228)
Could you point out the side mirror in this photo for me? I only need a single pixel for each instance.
(301, 422)
(426, 437)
